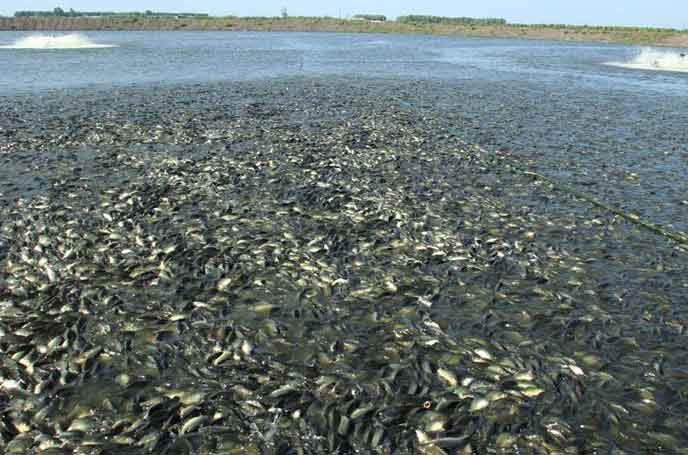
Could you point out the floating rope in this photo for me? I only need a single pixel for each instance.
(630, 217)
(677, 237)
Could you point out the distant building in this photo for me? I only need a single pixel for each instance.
(369, 17)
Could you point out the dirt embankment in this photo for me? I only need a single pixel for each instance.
(625, 35)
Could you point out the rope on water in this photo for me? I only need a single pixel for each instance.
(680, 238)
(677, 237)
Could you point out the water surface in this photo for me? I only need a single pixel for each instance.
(278, 231)
(608, 117)
(146, 57)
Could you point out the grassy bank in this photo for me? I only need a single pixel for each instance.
(626, 35)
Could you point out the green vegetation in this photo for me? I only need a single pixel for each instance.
(59, 12)
(450, 20)
(599, 28)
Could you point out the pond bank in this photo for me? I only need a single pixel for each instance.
(619, 35)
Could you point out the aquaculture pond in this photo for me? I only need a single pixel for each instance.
(346, 259)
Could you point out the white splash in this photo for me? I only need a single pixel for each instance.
(72, 41)
(656, 60)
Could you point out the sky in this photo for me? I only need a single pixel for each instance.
(653, 13)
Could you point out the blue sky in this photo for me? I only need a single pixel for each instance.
(664, 13)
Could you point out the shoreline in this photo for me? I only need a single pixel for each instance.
(564, 33)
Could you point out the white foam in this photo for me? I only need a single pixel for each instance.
(72, 41)
(656, 60)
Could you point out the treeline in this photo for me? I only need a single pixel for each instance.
(59, 12)
(600, 28)
(419, 20)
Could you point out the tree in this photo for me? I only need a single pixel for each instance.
(149, 12)
(58, 11)
(284, 12)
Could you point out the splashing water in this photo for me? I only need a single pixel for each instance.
(72, 41)
(656, 60)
